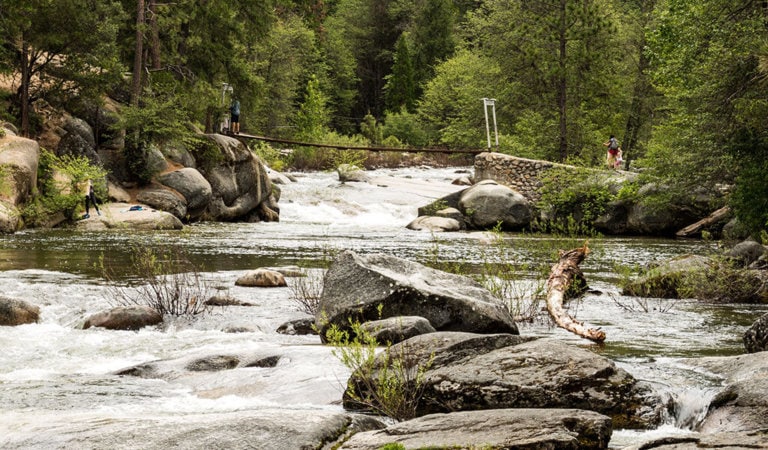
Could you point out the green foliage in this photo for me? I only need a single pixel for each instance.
(393, 446)
(270, 155)
(71, 45)
(709, 62)
(167, 280)
(2, 132)
(684, 79)
(573, 198)
(364, 34)
(722, 281)
(532, 136)
(452, 104)
(61, 187)
(750, 198)
(312, 118)
(390, 382)
(349, 157)
(629, 191)
(406, 128)
(372, 130)
(206, 152)
(564, 60)
(160, 117)
(433, 37)
(400, 89)
(434, 207)
(320, 158)
(281, 64)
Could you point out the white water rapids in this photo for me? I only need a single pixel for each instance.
(58, 382)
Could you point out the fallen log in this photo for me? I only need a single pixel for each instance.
(560, 279)
(721, 214)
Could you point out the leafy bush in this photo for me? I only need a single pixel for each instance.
(321, 158)
(269, 155)
(207, 154)
(406, 128)
(750, 197)
(434, 207)
(723, 282)
(575, 196)
(390, 383)
(522, 287)
(168, 282)
(59, 189)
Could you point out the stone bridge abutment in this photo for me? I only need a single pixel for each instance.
(521, 174)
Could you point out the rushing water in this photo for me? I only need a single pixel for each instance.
(57, 379)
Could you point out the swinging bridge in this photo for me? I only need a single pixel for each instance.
(375, 148)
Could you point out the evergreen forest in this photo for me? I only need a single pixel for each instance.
(683, 84)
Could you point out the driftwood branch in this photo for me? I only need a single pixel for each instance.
(560, 279)
(695, 229)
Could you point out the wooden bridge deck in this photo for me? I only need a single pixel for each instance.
(473, 151)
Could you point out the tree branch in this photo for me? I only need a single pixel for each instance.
(560, 279)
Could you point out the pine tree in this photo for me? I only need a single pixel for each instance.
(401, 86)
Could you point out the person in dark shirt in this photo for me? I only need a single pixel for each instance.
(234, 113)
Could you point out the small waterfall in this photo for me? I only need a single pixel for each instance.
(691, 405)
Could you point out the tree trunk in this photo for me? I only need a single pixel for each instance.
(154, 46)
(560, 279)
(139, 53)
(639, 110)
(209, 113)
(26, 79)
(562, 84)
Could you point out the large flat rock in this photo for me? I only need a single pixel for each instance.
(120, 216)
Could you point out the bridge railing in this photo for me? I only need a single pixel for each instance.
(473, 151)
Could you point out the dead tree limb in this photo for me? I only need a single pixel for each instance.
(720, 215)
(562, 275)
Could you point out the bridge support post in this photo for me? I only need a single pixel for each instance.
(492, 103)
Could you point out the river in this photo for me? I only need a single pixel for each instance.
(57, 380)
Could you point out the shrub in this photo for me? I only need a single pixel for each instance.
(406, 128)
(61, 193)
(575, 196)
(390, 383)
(168, 282)
(207, 154)
(723, 282)
(306, 292)
(269, 155)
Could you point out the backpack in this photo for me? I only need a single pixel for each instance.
(235, 108)
(614, 144)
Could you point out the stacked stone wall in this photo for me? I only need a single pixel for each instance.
(520, 174)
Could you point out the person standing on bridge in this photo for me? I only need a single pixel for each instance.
(234, 115)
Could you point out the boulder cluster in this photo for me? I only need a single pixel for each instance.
(507, 191)
(229, 183)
